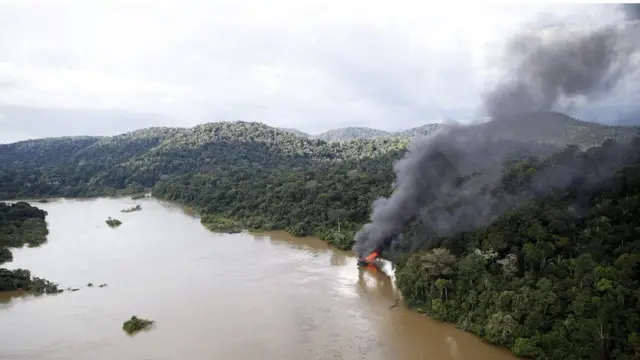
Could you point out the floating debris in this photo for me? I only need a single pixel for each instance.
(395, 304)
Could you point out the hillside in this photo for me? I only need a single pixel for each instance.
(296, 132)
(544, 127)
(555, 277)
(557, 129)
(84, 166)
(543, 259)
(351, 133)
(420, 130)
(130, 162)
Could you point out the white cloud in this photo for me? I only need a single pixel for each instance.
(305, 64)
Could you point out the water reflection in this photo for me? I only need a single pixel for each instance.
(373, 280)
(338, 259)
(8, 297)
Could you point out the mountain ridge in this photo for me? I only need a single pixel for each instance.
(554, 125)
(140, 158)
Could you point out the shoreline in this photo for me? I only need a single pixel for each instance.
(193, 211)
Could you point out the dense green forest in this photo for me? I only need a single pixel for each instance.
(555, 278)
(553, 275)
(22, 224)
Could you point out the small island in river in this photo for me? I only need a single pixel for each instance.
(136, 324)
(113, 222)
(132, 209)
(21, 224)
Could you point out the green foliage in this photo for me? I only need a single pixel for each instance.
(352, 133)
(330, 201)
(20, 279)
(136, 324)
(5, 255)
(42, 286)
(11, 280)
(221, 224)
(130, 163)
(21, 224)
(113, 222)
(555, 278)
(132, 209)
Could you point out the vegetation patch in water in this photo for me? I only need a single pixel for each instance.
(20, 279)
(113, 222)
(136, 324)
(132, 209)
(21, 224)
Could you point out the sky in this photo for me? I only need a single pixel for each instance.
(104, 67)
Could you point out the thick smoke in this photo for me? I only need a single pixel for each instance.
(547, 68)
(415, 186)
(631, 11)
(560, 64)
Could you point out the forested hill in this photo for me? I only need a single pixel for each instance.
(557, 277)
(548, 263)
(351, 133)
(88, 166)
(546, 127)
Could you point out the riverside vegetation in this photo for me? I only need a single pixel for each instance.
(553, 278)
(22, 224)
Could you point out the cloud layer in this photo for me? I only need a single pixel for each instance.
(311, 65)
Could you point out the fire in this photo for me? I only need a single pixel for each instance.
(372, 256)
(368, 261)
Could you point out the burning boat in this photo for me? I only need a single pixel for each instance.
(368, 260)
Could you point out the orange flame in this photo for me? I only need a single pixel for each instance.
(372, 256)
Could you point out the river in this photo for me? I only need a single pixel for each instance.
(213, 296)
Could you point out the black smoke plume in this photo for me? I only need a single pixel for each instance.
(631, 11)
(560, 64)
(547, 68)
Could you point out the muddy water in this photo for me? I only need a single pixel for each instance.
(213, 296)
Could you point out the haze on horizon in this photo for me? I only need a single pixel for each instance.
(71, 67)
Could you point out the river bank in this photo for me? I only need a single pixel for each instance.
(233, 296)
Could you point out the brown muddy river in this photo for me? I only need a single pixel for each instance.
(213, 296)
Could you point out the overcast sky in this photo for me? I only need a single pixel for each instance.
(312, 65)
